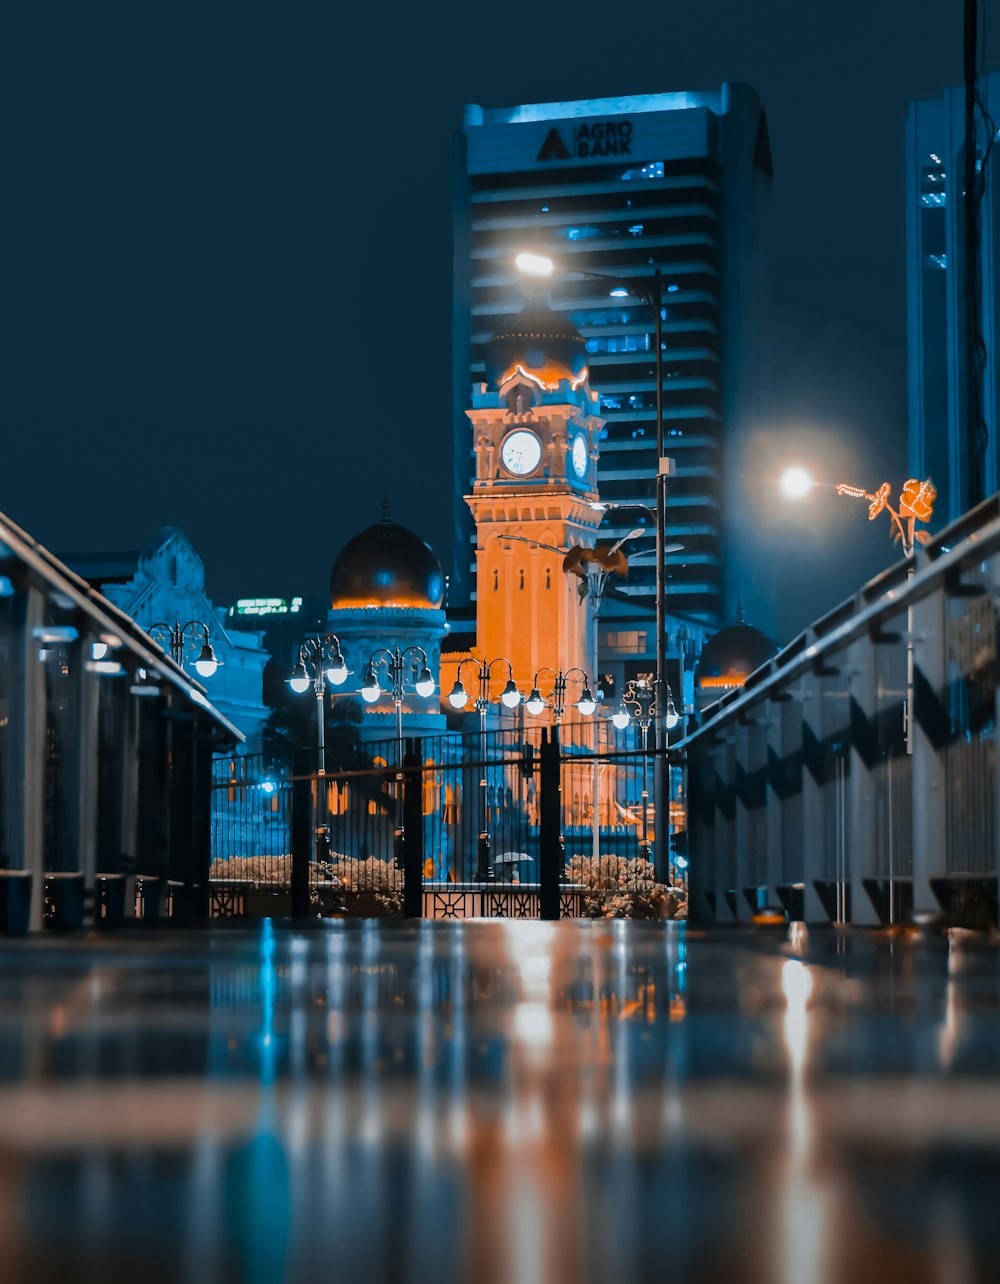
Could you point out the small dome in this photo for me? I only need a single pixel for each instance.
(538, 346)
(386, 565)
(729, 658)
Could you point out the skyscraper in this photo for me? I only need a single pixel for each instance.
(935, 260)
(623, 186)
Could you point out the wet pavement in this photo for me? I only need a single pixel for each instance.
(503, 1101)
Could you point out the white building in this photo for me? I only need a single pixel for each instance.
(168, 588)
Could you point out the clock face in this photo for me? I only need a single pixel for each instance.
(580, 455)
(521, 452)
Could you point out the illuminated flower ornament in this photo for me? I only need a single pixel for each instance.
(879, 501)
(917, 499)
(916, 504)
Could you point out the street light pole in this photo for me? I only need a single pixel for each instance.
(396, 663)
(511, 698)
(177, 639)
(642, 698)
(320, 659)
(661, 791)
(541, 265)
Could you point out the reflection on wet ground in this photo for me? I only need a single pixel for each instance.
(499, 1101)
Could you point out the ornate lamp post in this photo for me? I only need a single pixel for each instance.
(510, 698)
(398, 666)
(178, 636)
(639, 701)
(320, 661)
(586, 704)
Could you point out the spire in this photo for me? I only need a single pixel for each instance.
(740, 613)
(385, 504)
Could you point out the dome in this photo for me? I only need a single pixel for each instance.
(386, 565)
(729, 658)
(537, 346)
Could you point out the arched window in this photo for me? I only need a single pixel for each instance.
(496, 580)
(522, 577)
(548, 577)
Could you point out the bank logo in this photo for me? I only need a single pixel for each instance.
(603, 138)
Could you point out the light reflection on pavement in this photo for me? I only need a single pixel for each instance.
(502, 1101)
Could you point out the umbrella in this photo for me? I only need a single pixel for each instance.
(511, 858)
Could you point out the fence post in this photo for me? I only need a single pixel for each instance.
(25, 765)
(862, 801)
(813, 768)
(930, 726)
(413, 831)
(550, 856)
(303, 836)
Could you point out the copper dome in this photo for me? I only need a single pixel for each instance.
(546, 346)
(729, 658)
(386, 565)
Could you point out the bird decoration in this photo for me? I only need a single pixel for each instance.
(591, 565)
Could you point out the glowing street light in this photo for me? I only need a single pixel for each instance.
(400, 665)
(206, 662)
(321, 660)
(586, 704)
(916, 502)
(795, 483)
(458, 697)
(300, 679)
(534, 264)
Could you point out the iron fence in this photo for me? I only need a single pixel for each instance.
(471, 804)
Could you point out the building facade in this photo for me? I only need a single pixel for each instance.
(935, 258)
(167, 587)
(676, 182)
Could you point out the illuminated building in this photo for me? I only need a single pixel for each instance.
(166, 583)
(536, 434)
(386, 590)
(938, 446)
(677, 181)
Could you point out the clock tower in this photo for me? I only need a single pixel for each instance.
(535, 435)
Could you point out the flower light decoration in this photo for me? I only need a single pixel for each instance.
(916, 504)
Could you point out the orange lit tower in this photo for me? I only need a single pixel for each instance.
(535, 441)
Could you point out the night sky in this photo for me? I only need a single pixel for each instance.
(228, 257)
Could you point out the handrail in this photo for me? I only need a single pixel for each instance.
(890, 592)
(107, 616)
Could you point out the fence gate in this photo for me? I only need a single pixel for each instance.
(523, 822)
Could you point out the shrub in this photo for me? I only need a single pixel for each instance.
(614, 887)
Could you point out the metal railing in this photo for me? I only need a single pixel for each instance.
(854, 778)
(364, 823)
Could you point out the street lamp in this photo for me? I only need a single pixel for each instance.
(916, 502)
(320, 661)
(639, 701)
(458, 697)
(178, 635)
(399, 665)
(586, 704)
(650, 291)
